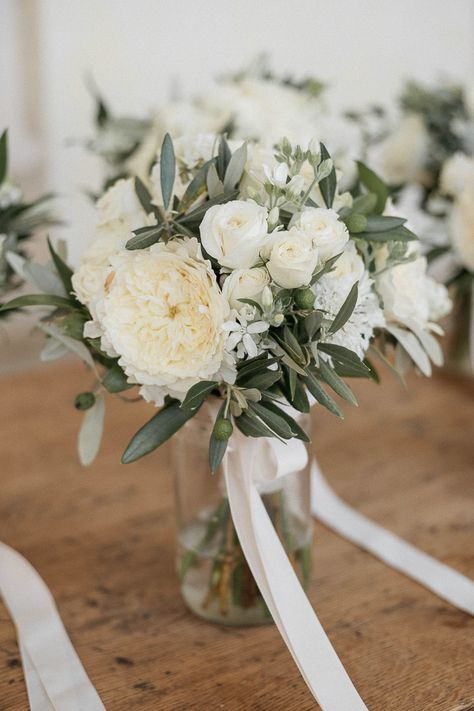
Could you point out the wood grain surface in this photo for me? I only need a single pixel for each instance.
(103, 540)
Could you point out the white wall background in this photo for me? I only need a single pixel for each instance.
(139, 50)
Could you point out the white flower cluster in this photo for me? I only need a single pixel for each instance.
(185, 309)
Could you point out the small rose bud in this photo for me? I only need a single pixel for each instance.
(356, 223)
(304, 299)
(267, 297)
(84, 401)
(222, 429)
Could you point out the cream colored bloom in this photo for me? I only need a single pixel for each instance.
(400, 158)
(461, 227)
(234, 233)
(324, 227)
(89, 278)
(120, 204)
(408, 294)
(162, 314)
(292, 258)
(245, 284)
(457, 174)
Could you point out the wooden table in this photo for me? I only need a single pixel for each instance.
(103, 541)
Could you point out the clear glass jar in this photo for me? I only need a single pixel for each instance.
(458, 335)
(216, 582)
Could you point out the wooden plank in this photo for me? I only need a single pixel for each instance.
(103, 539)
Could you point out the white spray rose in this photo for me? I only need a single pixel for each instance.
(324, 228)
(119, 204)
(461, 228)
(457, 174)
(292, 258)
(245, 284)
(162, 313)
(408, 294)
(234, 233)
(400, 158)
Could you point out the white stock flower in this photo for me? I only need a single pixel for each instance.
(332, 289)
(401, 156)
(461, 228)
(162, 314)
(457, 174)
(408, 294)
(245, 284)
(292, 258)
(324, 227)
(234, 233)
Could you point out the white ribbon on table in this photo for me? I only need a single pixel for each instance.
(250, 463)
(55, 678)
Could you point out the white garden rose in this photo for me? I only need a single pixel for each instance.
(292, 258)
(245, 284)
(457, 174)
(461, 228)
(408, 294)
(400, 158)
(89, 278)
(120, 204)
(324, 228)
(162, 314)
(234, 233)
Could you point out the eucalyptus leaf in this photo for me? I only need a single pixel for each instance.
(156, 431)
(277, 424)
(90, 434)
(198, 393)
(198, 184)
(382, 223)
(335, 382)
(374, 184)
(215, 186)
(145, 199)
(318, 392)
(235, 168)
(296, 430)
(328, 185)
(343, 355)
(145, 236)
(53, 350)
(412, 346)
(217, 447)
(64, 271)
(346, 310)
(167, 169)
(74, 346)
(37, 300)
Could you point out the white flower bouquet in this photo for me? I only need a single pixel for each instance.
(428, 158)
(235, 286)
(18, 222)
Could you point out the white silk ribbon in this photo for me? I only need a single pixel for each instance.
(55, 678)
(292, 613)
(444, 581)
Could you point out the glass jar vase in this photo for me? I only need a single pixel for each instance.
(216, 582)
(458, 336)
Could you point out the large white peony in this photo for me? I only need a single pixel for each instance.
(324, 228)
(162, 314)
(461, 228)
(292, 258)
(245, 284)
(234, 233)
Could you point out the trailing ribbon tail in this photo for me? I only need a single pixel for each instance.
(297, 622)
(54, 675)
(444, 581)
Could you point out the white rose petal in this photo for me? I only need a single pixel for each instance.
(292, 258)
(234, 233)
(245, 284)
(324, 227)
